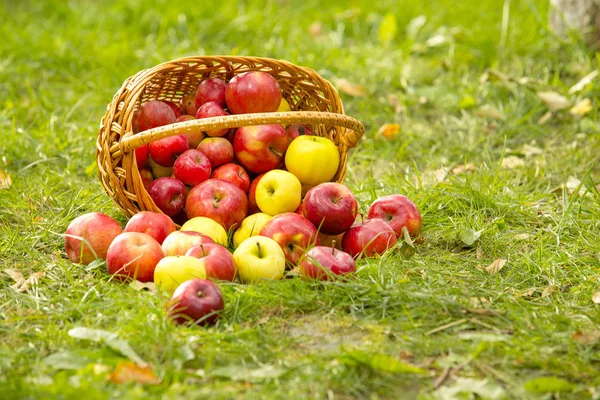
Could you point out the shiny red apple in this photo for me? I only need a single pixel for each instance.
(369, 238)
(133, 255)
(398, 211)
(165, 151)
(252, 92)
(217, 260)
(293, 233)
(233, 173)
(153, 114)
(219, 200)
(196, 302)
(331, 207)
(218, 150)
(324, 263)
(211, 89)
(192, 167)
(168, 194)
(260, 148)
(89, 235)
(212, 109)
(157, 225)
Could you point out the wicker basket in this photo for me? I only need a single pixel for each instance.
(314, 101)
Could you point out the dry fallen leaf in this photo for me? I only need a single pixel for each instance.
(16, 276)
(441, 174)
(587, 337)
(389, 131)
(549, 290)
(130, 372)
(5, 180)
(349, 88)
(316, 29)
(21, 284)
(586, 80)
(530, 150)
(545, 118)
(522, 236)
(396, 102)
(496, 266)
(512, 162)
(463, 168)
(488, 111)
(554, 101)
(149, 286)
(596, 298)
(582, 108)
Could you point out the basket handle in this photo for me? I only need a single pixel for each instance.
(355, 127)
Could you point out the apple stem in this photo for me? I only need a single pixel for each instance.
(202, 247)
(258, 245)
(332, 246)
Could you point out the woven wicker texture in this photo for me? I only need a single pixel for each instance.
(314, 101)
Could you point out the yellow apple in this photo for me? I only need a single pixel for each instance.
(207, 226)
(259, 258)
(313, 159)
(171, 271)
(250, 226)
(278, 191)
(284, 106)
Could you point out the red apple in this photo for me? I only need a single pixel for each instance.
(135, 122)
(88, 237)
(233, 173)
(133, 255)
(398, 211)
(293, 233)
(147, 177)
(260, 148)
(217, 260)
(219, 200)
(331, 207)
(211, 89)
(173, 107)
(252, 92)
(196, 301)
(155, 113)
(218, 150)
(141, 156)
(192, 167)
(252, 206)
(157, 225)
(179, 242)
(168, 194)
(187, 104)
(367, 239)
(212, 109)
(195, 137)
(293, 131)
(324, 263)
(165, 151)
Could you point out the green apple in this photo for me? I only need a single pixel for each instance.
(259, 258)
(313, 159)
(250, 226)
(208, 227)
(171, 271)
(277, 192)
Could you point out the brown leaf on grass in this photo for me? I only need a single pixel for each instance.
(21, 284)
(16, 276)
(554, 101)
(586, 80)
(587, 337)
(529, 150)
(389, 131)
(149, 286)
(496, 266)
(488, 111)
(396, 103)
(582, 108)
(316, 29)
(130, 372)
(522, 236)
(549, 290)
(5, 181)
(512, 162)
(596, 298)
(545, 118)
(349, 88)
(463, 168)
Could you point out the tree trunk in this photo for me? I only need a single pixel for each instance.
(578, 15)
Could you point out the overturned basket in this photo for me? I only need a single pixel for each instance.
(313, 99)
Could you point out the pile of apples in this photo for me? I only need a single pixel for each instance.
(288, 216)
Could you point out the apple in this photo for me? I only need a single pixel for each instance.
(179, 242)
(141, 156)
(251, 226)
(260, 148)
(135, 122)
(331, 207)
(295, 130)
(165, 151)
(252, 92)
(158, 171)
(147, 177)
(88, 237)
(157, 225)
(313, 159)
(217, 260)
(153, 114)
(233, 173)
(173, 107)
(293, 233)
(172, 271)
(168, 194)
(331, 240)
(252, 206)
(218, 150)
(208, 227)
(197, 301)
(221, 201)
(133, 255)
(278, 192)
(369, 238)
(211, 89)
(259, 258)
(212, 109)
(284, 106)
(398, 211)
(324, 263)
(187, 104)
(192, 167)
(195, 137)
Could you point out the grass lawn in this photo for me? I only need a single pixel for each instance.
(500, 165)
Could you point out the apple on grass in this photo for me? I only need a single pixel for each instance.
(208, 227)
(331, 207)
(313, 159)
(168, 194)
(325, 263)
(278, 192)
(157, 225)
(260, 148)
(294, 233)
(259, 258)
(165, 151)
(398, 211)
(219, 200)
(192, 167)
(153, 114)
(196, 302)
(252, 92)
(233, 173)
(172, 271)
(251, 226)
(369, 238)
(211, 89)
(217, 260)
(218, 150)
(89, 236)
(133, 255)
(179, 242)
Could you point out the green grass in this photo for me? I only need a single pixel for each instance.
(436, 325)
